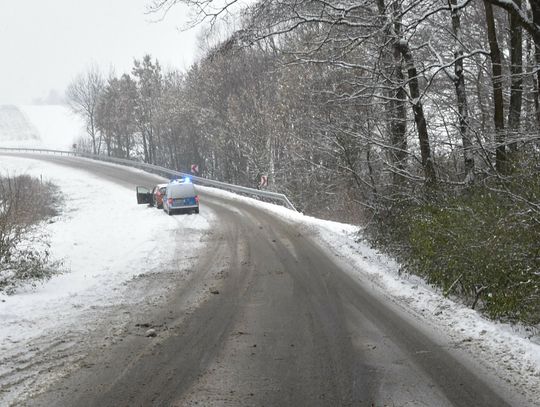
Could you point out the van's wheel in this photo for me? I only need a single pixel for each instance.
(197, 210)
(169, 212)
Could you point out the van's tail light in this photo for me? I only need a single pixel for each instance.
(170, 201)
(197, 199)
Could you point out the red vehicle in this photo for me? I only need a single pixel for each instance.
(157, 195)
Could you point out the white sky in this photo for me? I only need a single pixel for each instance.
(44, 44)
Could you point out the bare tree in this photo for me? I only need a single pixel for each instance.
(530, 21)
(83, 96)
(149, 88)
(396, 110)
(516, 71)
(461, 93)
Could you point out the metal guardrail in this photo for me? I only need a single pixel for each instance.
(156, 169)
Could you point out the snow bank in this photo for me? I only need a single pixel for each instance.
(15, 127)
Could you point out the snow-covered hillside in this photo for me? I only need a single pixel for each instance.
(15, 126)
(39, 126)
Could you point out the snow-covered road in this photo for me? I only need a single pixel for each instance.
(105, 243)
(509, 351)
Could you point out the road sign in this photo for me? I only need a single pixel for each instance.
(194, 169)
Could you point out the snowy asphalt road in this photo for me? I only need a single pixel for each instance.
(287, 328)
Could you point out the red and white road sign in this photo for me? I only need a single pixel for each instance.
(194, 169)
(264, 181)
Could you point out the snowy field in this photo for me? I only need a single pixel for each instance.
(39, 126)
(114, 245)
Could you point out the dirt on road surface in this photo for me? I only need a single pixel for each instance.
(267, 317)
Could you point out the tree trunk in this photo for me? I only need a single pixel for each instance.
(398, 123)
(93, 134)
(419, 117)
(531, 99)
(537, 93)
(395, 109)
(461, 94)
(370, 170)
(270, 162)
(536, 19)
(108, 144)
(516, 70)
(532, 26)
(500, 152)
(480, 98)
(151, 144)
(145, 145)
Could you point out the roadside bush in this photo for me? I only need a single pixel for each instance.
(483, 245)
(24, 252)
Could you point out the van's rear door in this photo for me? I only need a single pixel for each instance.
(182, 191)
(144, 196)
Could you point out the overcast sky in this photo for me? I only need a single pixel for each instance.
(44, 44)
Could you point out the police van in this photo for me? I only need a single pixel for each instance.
(180, 196)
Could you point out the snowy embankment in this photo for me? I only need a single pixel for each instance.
(39, 126)
(105, 240)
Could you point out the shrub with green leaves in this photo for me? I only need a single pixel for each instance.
(481, 244)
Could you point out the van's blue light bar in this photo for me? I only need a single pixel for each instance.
(185, 180)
